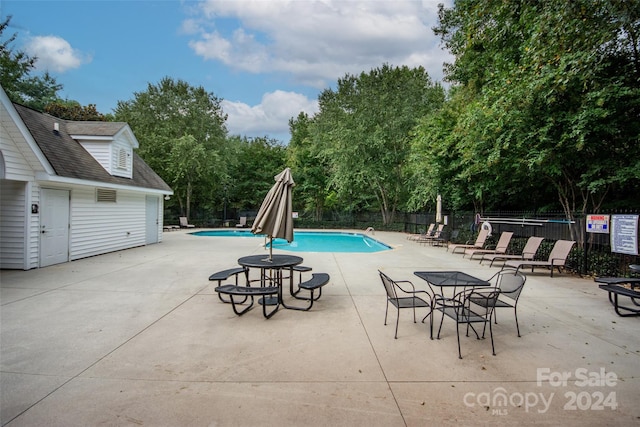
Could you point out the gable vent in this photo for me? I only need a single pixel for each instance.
(122, 158)
(104, 195)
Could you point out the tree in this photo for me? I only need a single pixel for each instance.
(365, 127)
(189, 163)
(308, 166)
(173, 119)
(72, 110)
(553, 93)
(16, 79)
(258, 161)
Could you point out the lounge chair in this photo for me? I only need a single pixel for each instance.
(242, 223)
(557, 258)
(429, 232)
(433, 238)
(479, 243)
(500, 247)
(184, 223)
(528, 252)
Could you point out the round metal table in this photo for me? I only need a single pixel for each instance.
(275, 265)
(277, 261)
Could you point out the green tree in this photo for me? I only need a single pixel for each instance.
(72, 110)
(189, 164)
(172, 119)
(16, 79)
(258, 161)
(552, 96)
(365, 127)
(308, 167)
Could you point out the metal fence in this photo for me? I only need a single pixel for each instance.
(591, 255)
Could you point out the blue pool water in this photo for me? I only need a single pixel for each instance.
(311, 241)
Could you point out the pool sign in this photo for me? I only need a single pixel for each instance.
(598, 224)
(624, 234)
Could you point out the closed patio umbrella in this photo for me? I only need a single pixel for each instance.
(439, 209)
(275, 217)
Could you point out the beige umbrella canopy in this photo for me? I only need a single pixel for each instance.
(275, 217)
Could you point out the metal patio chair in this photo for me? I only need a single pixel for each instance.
(473, 306)
(403, 298)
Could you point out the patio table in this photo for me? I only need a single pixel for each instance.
(451, 280)
(275, 264)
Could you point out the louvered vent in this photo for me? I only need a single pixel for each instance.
(122, 158)
(107, 196)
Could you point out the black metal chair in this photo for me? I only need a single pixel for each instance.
(474, 305)
(510, 282)
(403, 298)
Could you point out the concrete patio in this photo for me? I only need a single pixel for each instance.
(139, 337)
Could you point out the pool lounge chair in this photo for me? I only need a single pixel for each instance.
(500, 247)
(435, 237)
(242, 223)
(528, 252)
(422, 235)
(557, 258)
(184, 223)
(479, 244)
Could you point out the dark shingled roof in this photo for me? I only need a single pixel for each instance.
(69, 159)
(94, 128)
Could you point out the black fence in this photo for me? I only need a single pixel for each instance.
(591, 256)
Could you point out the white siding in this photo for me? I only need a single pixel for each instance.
(18, 227)
(101, 151)
(98, 228)
(33, 227)
(18, 158)
(160, 219)
(12, 224)
(106, 153)
(116, 146)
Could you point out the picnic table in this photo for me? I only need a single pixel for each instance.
(623, 286)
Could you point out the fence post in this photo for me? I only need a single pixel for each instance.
(584, 256)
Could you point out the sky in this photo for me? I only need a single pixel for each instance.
(266, 60)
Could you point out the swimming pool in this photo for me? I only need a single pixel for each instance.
(311, 241)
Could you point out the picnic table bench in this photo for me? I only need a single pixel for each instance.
(624, 286)
(247, 291)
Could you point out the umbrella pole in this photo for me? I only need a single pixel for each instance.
(270, 248)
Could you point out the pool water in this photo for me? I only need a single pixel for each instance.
(311, 241)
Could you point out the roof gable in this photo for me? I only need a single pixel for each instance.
(70, 159)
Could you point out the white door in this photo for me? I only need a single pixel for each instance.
(54, 227)
(152, 220)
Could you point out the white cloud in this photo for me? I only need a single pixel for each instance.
(270, 117)
(54, 54)
(319, 41)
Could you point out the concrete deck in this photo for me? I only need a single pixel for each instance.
(139, 337)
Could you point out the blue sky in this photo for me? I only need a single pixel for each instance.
(266, 59)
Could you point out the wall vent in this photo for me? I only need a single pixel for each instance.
(104, 195)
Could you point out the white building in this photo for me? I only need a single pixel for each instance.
(72, 189)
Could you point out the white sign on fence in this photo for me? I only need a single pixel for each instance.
(598, 224)
(624, 234)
